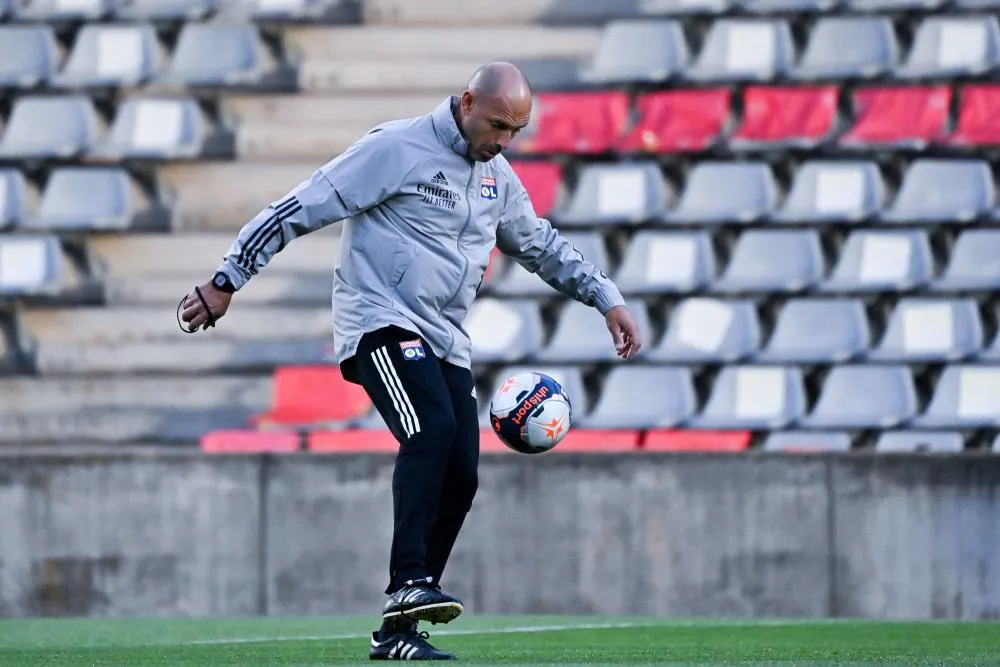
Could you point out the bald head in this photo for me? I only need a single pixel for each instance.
(494, 108)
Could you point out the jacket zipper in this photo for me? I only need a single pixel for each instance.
(458, 246)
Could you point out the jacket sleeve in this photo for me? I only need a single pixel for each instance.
(365, 175)
(534, 244)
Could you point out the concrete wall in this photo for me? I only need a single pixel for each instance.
(168, 533)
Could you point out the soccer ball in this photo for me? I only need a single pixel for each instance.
(530, 413)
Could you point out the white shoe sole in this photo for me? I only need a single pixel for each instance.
(439, 612)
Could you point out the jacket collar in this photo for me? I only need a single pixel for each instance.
(446, 127)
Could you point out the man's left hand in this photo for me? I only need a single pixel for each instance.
(624, 332)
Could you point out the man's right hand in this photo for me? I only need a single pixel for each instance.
(194, 314)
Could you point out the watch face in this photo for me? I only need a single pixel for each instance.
(220, 280)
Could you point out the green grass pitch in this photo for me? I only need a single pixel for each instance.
(525, 640)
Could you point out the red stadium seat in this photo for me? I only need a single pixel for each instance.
(671, 440)
(800, 116)
(577, 123)
(313, 395)
(490, 443)
(678, 121)
(599, 440)
(237, 441)
(542, 181)
(978, 117)
(913, 116)
(352, 440)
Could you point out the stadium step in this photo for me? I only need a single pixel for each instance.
(350, 110)
(307, 289)
(376, 76)
(267, 141)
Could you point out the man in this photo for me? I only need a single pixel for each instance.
(426, 200)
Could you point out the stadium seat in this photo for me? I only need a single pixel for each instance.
(598, 441)
(751, 194)
(241, 441)
(773, 117)
(30, 264)
(638, 51)
(708, 329)
(768, 7)
(684, 7)
(930, 442)
(991, 352)
(218, 54)
(154, 127)
(313, 396)
(874, 50)
(352, 440)
(29, 56)
(515, 280)
(948, 46)
(773, 261)
(111, 55)
(300, 11)
(740, 49)
(805, 442)
(683, 440)
(87, 198)
(951, 191)
(574, 122)
(889, 398)
(923, 329)
(811, 330)
(898, 117)
(657, 262)
(978, 121)
(677, 121)
(666, 399)
(973, 264)
(13, 197)
(892, 5)
(976, 4)
(61, 11)
(881, 261)
(569, 376)
(543, 181)
(164, 10)
(49, 126)
(504, 330)
(965, 396)
(581, 334)
(753, 397)
(833, 191)
(616, 194)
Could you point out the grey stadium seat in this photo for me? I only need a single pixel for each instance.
(504, 330)
(638, 51)
(111, 55)
(684, 7)
(891, 5)
(61, 10)
(13, 197)
(818, 331)
(864, 396)
(806, 442)
(29, 264)
(923, 329)
(877, 261)
(874, 49)
(744, 50)
(767, 7)
(155, 127)
(218, 54)
(936, 190)
(977, 4)
(582, 334)
(931, 442)
(86, 198)
(570, 377)
(28, 55)
(658, 262)
(833, 191)
(953, 46)
(518, 281)
(49, 126)
(966, 396)
(751, 194)
(613, 194)
(159, 10)
(974, 262)
(642, 397)
(709, 329)
(753, 397)
(324, 11)
(782, 260)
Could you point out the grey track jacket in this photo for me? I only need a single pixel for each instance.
(422, 220)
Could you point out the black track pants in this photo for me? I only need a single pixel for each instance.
(430, 407)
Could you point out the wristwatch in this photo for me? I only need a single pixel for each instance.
(222, 283)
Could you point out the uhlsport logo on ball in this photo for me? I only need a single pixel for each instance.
(530, 413)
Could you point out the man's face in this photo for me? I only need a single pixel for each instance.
(490, 123)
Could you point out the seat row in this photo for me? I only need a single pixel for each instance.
(772, 118)
(178, 10)
(753, 49)
(955, 192)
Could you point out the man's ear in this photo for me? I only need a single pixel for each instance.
(468, 101)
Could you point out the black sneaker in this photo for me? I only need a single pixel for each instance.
(421, 600)
(406, 646)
